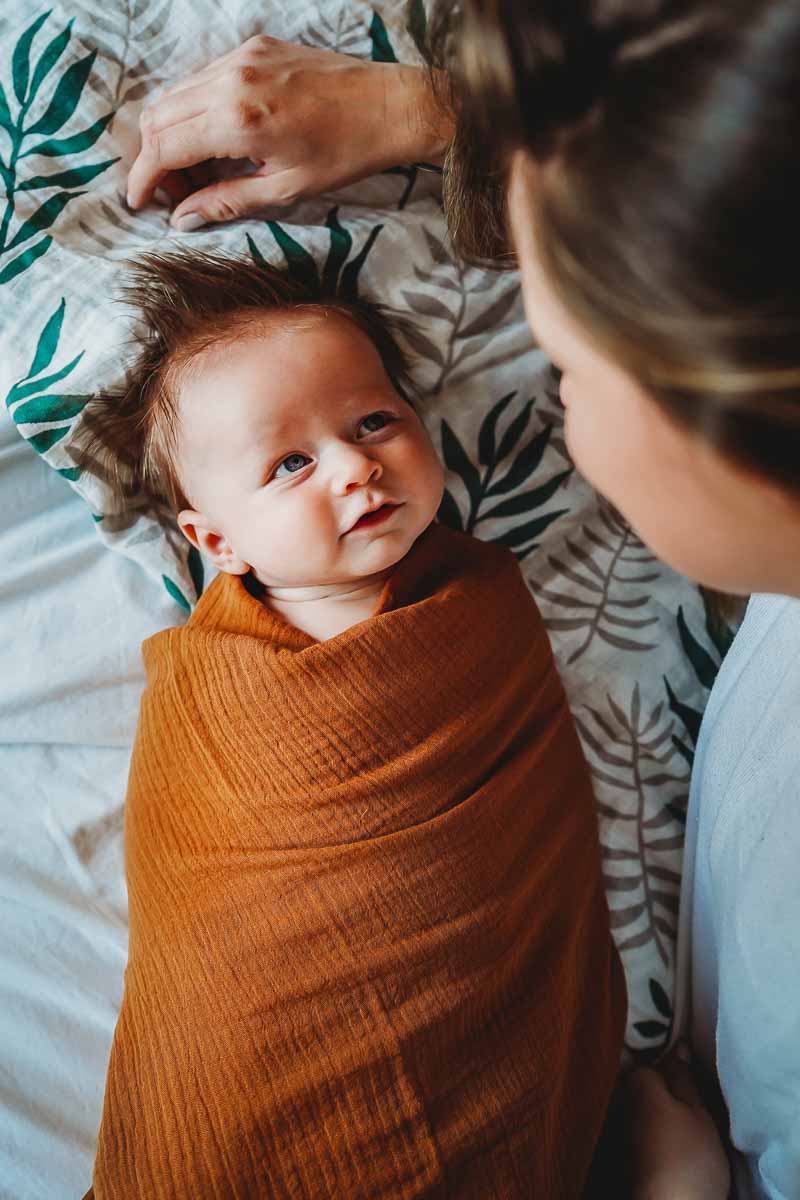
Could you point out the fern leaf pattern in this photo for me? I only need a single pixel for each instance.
(345, 32)
(636, 648)
(38, 110)
(136, 46)
(605, 573)
(506, 470)
(44, 417)
(460, 304)
(339, 274)
(705, 663)
(632, 759)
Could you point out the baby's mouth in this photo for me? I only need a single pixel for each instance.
(375, 517)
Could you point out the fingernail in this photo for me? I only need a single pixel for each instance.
(683, 1052)
(189, 222)
(161, 197)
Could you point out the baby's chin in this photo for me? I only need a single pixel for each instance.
(373, 554)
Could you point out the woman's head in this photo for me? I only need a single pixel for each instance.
(655, 186)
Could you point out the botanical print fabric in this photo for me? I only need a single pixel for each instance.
(637, 648)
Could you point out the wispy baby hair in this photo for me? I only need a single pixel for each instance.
(190, 304)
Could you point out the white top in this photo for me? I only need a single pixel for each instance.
(738, 991)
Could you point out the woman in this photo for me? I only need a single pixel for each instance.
(653, 193)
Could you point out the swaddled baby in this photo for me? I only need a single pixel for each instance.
(369, 946)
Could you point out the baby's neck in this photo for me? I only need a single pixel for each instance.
(325, 610)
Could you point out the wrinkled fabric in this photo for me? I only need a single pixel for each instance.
(739, 940)
(369, 944)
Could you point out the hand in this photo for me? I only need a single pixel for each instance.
(309, 120)
(676, 1149)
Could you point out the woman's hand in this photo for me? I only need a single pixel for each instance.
(676, 1149)
(309, 120)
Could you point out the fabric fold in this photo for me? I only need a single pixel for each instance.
(369, 944)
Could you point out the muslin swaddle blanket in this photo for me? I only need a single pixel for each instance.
(369, 944)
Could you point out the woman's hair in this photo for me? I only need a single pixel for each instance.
(192, 304)
(666, 206)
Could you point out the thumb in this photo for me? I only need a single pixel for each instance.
(228, 200)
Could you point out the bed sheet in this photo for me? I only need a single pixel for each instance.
(73, 617)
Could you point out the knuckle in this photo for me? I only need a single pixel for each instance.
(151, 140)
(246, 116)
(246, 75)
(220, 209)
(260, 42)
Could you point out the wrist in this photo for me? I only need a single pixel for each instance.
(419, 126)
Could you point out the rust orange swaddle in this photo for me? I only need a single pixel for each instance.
(369, 945)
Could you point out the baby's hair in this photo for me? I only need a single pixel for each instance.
(192, 303)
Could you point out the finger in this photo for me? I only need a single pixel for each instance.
(225, 201)
(146, 173)
(201, 75)
(177, 187)
(171, 149)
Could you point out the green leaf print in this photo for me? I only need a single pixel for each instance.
(341, 245)
(66, 96)
(23, 389)
(418, 23)
(479, 484)
(348, 285)
(64, 100)
(50, 56)
(49, 408)
(381, 46)
(55, 147)
(194, 563)
(5, 114)
(338, 276)
(43, 218)
(42, 442)
(23, 261)
(21, 59)
(48, 341)
(301, 264)
(67, 179)
(704, 665)
(30, 403)
(176, 593)
(383, 52)
(487, 434)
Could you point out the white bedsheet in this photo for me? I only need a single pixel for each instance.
(72, 618)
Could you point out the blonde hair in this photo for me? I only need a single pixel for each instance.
(665, 207)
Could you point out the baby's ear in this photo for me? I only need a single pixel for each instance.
(213, 545)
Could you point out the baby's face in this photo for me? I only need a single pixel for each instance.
(288, 440)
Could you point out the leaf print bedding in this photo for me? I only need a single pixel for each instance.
(636, 647)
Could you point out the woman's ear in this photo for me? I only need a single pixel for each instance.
(215, 546)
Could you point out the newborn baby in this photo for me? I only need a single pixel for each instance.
(369, 945)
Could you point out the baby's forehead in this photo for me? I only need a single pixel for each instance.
(279, 336)
(269, 369)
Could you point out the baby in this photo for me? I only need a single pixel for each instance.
(369, 945)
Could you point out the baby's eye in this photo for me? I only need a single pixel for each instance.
(293, 463)
(375, 422)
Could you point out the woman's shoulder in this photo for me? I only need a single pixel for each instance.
(762, 663)
(749, 728)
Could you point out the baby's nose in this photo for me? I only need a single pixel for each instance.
(354, 469)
